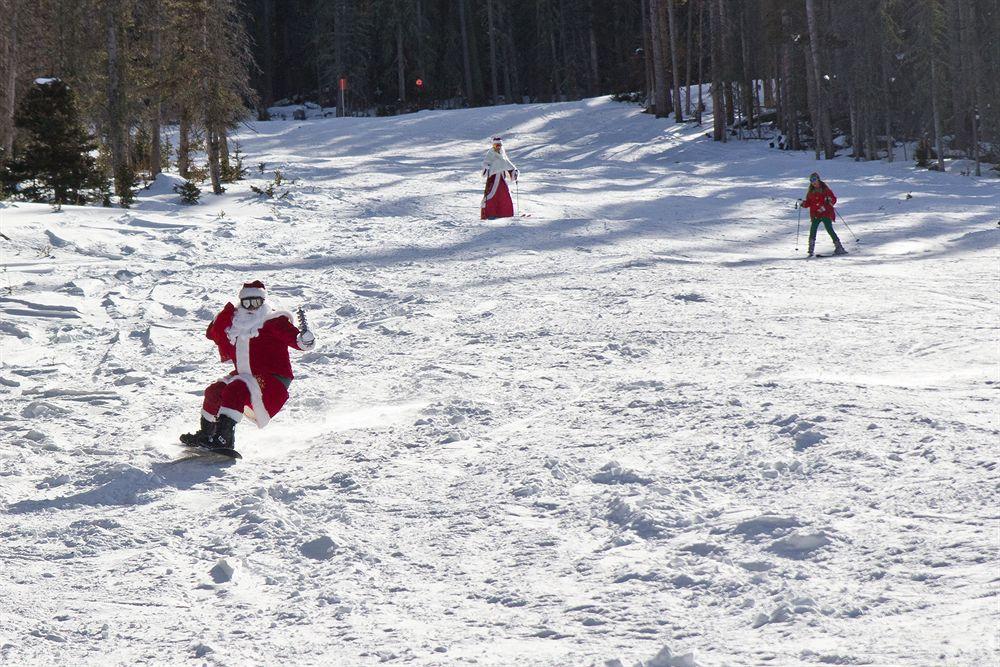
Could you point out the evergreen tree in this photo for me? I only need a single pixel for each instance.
(53, 159)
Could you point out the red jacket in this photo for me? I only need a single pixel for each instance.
(820, 202)
(268, 350)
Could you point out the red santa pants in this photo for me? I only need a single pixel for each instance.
(233, 395)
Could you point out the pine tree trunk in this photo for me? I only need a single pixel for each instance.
(339, 17)
(493, 52)
(687, 57)
(594, 72)
(647, 56)
(116, 105)
(678, 114)
(8, 71)
(718, 97)
(789, 98)
(184, 144)
(421, 72)
(813, 106)
(214, 169)
(224, 151)
(938, 141)
(659, 76)
(267, 92)
(823, 130)
(701, 59)
(155, 103)
(886, 97)
(855, 153)
(466, 66)
(400, 62)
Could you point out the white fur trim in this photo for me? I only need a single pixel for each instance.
(257, 412)
(253, 291)
(232, 414)
(496, 163)
(208, 415)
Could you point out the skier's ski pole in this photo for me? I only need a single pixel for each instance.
(798, 227)
(517, 196)
(856, 240)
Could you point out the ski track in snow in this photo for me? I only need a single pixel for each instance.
(634, 420)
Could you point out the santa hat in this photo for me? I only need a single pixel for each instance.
(256, 288)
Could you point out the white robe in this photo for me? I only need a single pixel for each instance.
(495, 163)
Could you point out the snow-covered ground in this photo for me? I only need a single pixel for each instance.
(634, 424)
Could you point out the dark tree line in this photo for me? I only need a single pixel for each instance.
(874, 71)
(872, 77)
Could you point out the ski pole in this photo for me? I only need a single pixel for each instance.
(517, 196)
(856, 239)
(798, 227)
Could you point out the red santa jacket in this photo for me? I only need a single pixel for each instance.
(820, 202)
(263, 351)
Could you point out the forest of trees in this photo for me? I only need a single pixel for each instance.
(878, 72)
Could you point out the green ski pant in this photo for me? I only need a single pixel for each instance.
(829, 230)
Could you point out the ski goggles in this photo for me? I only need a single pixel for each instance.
(814, 179)
(252, 302)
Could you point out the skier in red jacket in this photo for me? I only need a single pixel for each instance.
(820, 200)
(256, 339)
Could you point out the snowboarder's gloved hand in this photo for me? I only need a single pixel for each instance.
(516, 172)
(306, 340)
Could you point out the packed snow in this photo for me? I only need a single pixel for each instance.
(633, 426)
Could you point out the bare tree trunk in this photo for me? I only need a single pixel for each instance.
(214, 168)
(701, 58)
(421, 72)
(659, 77)
(678, 114)
(493, 51)
(116, 106)
(465, 51)
(400, 62)
(267, 94)
(823, 130)
(687, 57)
(155, 103)
(886, 97)
(855, 153)
(210, 116)
(184, 144)
(938, 141)
(594, 72)
(789, 109)
(224, 150)
(813, 105)
(647, 55)
(718, 97)
(9, 73)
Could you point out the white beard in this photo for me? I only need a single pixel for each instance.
(247, 323)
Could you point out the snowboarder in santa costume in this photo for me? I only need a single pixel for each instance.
(256, 339)
(820, 200)
(499, 171)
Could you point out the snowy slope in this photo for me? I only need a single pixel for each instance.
(634, 423)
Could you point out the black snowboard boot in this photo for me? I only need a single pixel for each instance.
(224, 436)
(199, 438)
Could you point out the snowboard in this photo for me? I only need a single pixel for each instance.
(195, 452)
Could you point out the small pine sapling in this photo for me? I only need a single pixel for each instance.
(188, 191)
